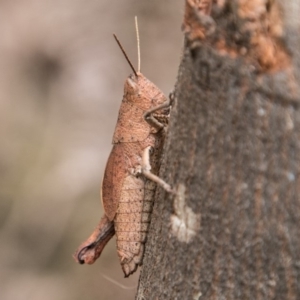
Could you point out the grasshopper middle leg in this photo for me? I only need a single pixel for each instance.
(146, 171)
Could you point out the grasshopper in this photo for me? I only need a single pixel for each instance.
(130, 176)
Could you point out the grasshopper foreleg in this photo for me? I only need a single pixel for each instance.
(146, 171)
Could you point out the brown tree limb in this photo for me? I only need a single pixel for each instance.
(233, 153)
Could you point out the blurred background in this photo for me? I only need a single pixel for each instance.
(61, 84)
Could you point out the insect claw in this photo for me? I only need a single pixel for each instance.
(80, 254)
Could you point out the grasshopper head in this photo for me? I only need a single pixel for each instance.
(138, 89)
(142, 92)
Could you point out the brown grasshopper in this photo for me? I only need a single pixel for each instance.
(129, 180)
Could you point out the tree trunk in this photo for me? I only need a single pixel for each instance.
(233, 154)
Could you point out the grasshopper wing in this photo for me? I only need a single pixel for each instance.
(114, 175)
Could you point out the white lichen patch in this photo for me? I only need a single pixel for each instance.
(197, 295)
(184, 223)
(261, 112)
(291, 176)
(289, 121)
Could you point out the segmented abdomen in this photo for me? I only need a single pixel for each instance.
(132, 220)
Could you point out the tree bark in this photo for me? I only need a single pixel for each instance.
(233, 154)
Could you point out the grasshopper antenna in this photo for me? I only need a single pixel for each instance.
(138, 43)
(122, 49)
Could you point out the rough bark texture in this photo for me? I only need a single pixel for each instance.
(233, 152)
